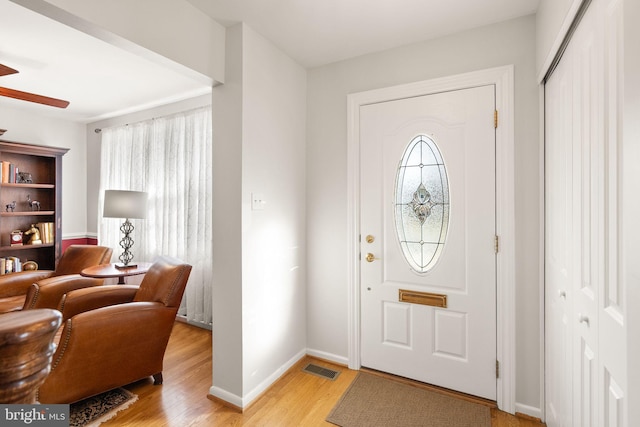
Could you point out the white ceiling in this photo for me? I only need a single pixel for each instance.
(319, 32)
(102, 81)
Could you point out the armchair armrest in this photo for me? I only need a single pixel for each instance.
(81, 300)
(18, 283)
(47, 293)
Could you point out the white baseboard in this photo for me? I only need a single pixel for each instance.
(529, 410)
(222, 394)
(246, 400)
(341, 360)
(271, 379)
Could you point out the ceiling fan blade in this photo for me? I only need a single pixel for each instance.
(5, 71)
(32, 97)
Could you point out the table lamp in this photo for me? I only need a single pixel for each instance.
(127, 205)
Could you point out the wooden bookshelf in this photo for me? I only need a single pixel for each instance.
(44, 163)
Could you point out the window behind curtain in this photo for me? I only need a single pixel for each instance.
(169, 158)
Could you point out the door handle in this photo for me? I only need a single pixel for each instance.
(583, 319)
(371, 257)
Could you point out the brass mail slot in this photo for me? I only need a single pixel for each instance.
(424, 298)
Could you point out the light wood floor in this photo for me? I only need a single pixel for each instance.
(297, 399)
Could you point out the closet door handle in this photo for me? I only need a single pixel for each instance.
(583, 319)
(562, 294)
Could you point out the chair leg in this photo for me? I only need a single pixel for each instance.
(157, 378)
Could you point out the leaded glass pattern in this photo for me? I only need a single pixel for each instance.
(422, 203)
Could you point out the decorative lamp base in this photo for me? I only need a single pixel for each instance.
(126, 243)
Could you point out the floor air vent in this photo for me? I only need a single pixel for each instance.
(329, 374)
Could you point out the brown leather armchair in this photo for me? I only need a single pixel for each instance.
(115, 334)
(44, 288)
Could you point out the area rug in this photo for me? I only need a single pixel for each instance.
(375, 401)
(95, 410)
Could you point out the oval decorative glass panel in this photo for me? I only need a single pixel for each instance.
(422, 203)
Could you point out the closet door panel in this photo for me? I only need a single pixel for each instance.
(612, 308)
(586, 54)
(558, 246)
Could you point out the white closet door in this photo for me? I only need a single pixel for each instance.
(585, 312)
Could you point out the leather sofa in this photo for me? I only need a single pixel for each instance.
(44, 288)
(114, 335)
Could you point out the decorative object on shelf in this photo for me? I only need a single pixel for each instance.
(35, 235)
(24, 178)
(29, 266)
(11, 206)
(127, 205)
(16, 238)
(46, 232)
(33, 204)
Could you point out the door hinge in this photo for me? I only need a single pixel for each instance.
(497, 244)
(497, 369)
(495, 119)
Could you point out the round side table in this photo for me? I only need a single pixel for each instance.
(105, 271)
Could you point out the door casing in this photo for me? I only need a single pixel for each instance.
(503, 79)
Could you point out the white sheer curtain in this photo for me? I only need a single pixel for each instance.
(170, 158)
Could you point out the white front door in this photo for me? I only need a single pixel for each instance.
(428, 224)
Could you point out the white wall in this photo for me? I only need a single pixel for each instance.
(259, 274)
(32, 128)
(273, 165)
(227, 225)
(511, 42)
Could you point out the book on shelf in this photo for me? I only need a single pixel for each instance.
(10, 265)
(9, 172)
(5, 171)
(46, 232)
(12, 173)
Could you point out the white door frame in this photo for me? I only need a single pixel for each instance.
(503, 79)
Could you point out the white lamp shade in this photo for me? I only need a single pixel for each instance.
(125, 204)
